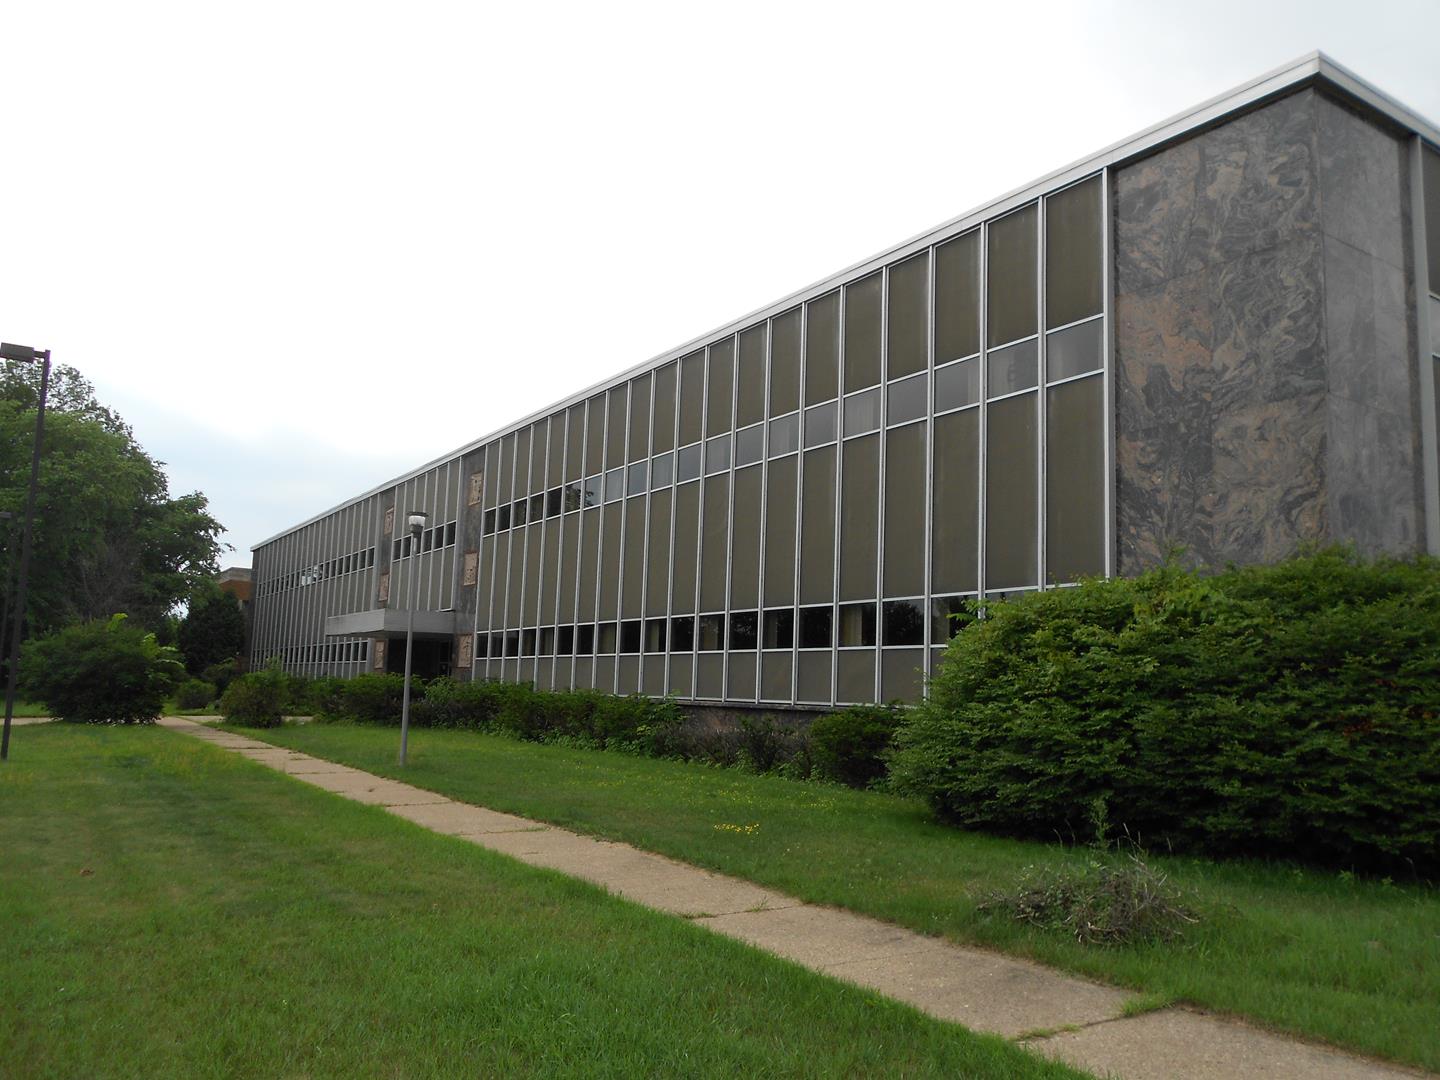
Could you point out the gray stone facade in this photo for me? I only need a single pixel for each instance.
(1264, 341)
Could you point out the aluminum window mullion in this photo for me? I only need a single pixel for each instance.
(882, 481)
(840, 361)
(1042, 395)
(1107, 289)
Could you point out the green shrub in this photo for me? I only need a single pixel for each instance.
(376, 698)
(104, 671)
(222, 674)
(450, 704)
(258, 699)
(850, 745)
(1290, 710)
(323, 698)
(194, 694)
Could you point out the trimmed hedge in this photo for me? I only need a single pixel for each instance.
(1287, 711)
(258, 699)
(851, 746)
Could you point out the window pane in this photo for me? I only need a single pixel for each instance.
(775, 672)
(614, 485)
(552, 503)
(779, 549)
(594, 435)
(855, 678)
(1075, 484)
(1430, 166)
(905, 401)
(585, 640)
(750, 377)
(744, 630)
(816, 627)
(664, 425)
(817, 527)
(812, 678)
(859, 503)
(593, 491)
(1072, 253)
(658, 554)
(749, 445)
(522, 463)
(862, 332)
(1011, 285)
(955, 537)
(655, 635)
(742, 677)
(909, 316)
(857, 625)
(904, 623)
(639, 478)
(1075, 350)
(565, 641)
(1013, 368)
(957, 385)
(692, 391)
(905, 510)
(569, 538)
(547, 641)
(785, 435)
(607, 638)
(822, 348)
(902, 676)
(556, 424)
(574, 442)
(519, 511)
(630, 636)
(687, 463)
(820, 425)
(948, 616)
(507, 468)
(610, 552)
(640, 419)
(957, 298)
(717, 455)
(714, 555)
(682, 634)
(615, 427)
(745, 542)
(687, 548)
(712, 633)
(1011, 491)
(662, 471)
(779, 630)
(862, 412)
(785, 363)
(722, 372)
(589, 555)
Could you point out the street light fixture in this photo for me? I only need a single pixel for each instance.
(25, 355)
(417, 526)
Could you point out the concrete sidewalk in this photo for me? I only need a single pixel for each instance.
(1054, 1014)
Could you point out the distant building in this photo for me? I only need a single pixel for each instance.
(1220, 334)
(239, 582)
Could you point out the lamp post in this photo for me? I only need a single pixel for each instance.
(417, 526)
(25, 355)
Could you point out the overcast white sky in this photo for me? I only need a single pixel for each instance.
(303, 247)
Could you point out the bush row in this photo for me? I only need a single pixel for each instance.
(1288, 711)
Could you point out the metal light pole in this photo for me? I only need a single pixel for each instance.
(25, 355)
(417, 526)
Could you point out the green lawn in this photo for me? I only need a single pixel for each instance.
(1352, 962)
(171, 909)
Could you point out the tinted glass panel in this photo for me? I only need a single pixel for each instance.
(905, 401)
(615, 427)
(904, 623)
(711, 635)
(779, 550)
(569, 538)
(655, 635)
(658, 554)
(1431, 167)
(717, 454)
(607, 638)
(855, 677)
(507, 468)
(822, 348)
(902, 675)
(862, 412)
(722, 373)
(630, 636)
(634, 558)
(905, 510)
(744, 630)
(594, 435)
(664, 424)
(714, 556)
(785, 363)
(682, 634)
(909, 317)
(1011, 288)
(610, 552)
(589, 551)
(709, 677)
(745, 541)
(687, 548)
(817, 527)
(749, 445)
(775, 671)
(817, 627)
(957, 298)
(957, 385)
(614, 485)
(638, 442)
(948, 616)
(1074, 350)
(857, 625)
(593, 491)
(812, 677)
(1010, 484)
(750, 377)
(860, 479)
(956, 493)
(574, 442)
(555, 455)
(820, 425)
(585, 639)
(862, 333)
(1012, 368)
(662, 471)
(638, 479)
(692, 396)
(522, 463)
(1075, 487)
(1072, 253)
(785, 435)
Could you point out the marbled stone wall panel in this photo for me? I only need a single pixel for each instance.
(1364, 184)
(1237, 189)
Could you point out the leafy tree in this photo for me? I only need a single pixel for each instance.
(212, 631)
(102, 671)
(108, 535)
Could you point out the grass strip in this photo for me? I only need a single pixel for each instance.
(1332, 957)
(171, 909)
